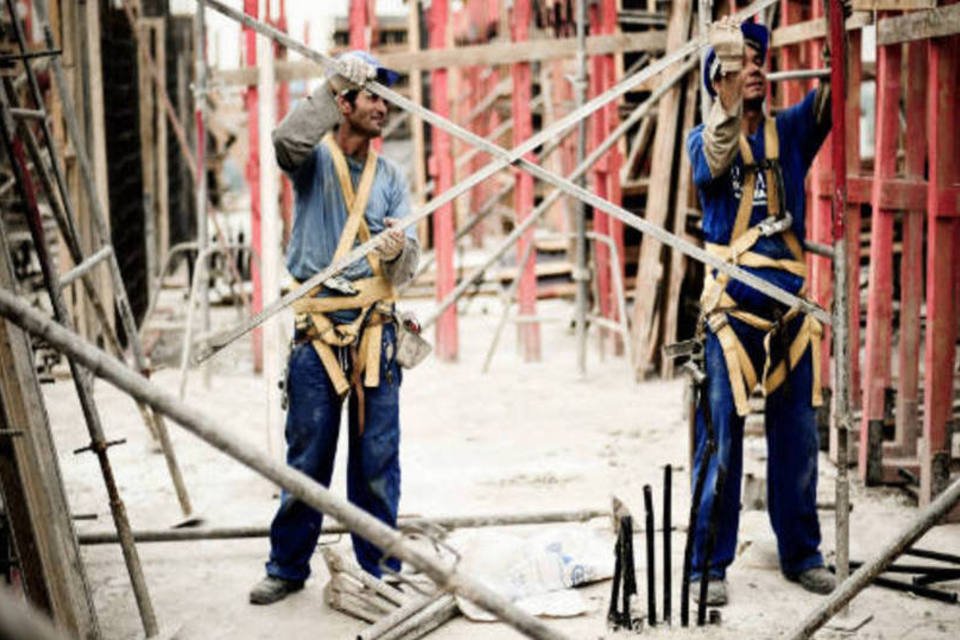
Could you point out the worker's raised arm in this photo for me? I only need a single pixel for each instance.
(715, 146)
(301, 131)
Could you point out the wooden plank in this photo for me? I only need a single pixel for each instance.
(163, 177)
(678, 262)
(479, 54)
(645, 329)
(148, 149)
(935, 23)
(816, 28)
(893, 5)
(34, 498)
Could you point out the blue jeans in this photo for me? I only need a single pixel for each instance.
(373, 466)
(792, 450)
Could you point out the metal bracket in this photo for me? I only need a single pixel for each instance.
(99, 446)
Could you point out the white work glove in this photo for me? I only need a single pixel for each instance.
(727, 41)
(393, 242)
(351, 74)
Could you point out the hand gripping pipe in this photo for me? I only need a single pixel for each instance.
(503, 159)
(104, 366)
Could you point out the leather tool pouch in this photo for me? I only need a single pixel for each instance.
(412, 349)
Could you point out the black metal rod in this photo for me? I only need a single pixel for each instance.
(926, 592)
(933, 555)
(667, 523)
(912, 568)
(944, 575)
(711, 543)
(701, 482)
(651, 557)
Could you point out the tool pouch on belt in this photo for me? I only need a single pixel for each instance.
(412, 349)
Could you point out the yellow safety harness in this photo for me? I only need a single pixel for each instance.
(374, 299)
(718, 306)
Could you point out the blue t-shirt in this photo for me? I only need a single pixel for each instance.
(800, 137)
(320, 214)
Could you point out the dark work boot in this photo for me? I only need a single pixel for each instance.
(271, 589)
(716, 592)
(817, 580)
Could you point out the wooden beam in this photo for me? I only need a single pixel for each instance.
(33, 494)
(646, 329)
(893, 5)
(678, 262)
(479, 54)
(816, 28)
(935, 23)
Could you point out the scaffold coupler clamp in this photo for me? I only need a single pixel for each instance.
(773, 225)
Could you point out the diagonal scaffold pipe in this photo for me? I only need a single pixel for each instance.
(104, 366)
(503, 159)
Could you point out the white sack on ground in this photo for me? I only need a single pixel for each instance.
(536, 572)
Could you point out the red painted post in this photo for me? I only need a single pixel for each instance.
(911, 259)
(251, 100)
(821, 278)
(880, 283)
(283, 106)
(942, 255)
(357, 24)
(608, 21)
(441, 166)
(852, 104)
(600, 171)
(529, 332)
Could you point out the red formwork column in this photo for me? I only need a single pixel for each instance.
(853, 223)
(441, 167)
(608, 20)
(942, 256)
(911, 259)
(283, 106)
(357, 24)
(821, 277)
(523, 191)
(880, 282)
(599, 173)
(251, 100)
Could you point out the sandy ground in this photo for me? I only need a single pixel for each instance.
(524, 438)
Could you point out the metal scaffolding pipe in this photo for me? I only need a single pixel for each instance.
(405, 522)
(555, 195)
(296, 483)
(505, 158)
(862, 578)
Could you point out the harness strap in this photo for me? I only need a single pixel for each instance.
(365, 333)
(718, 306)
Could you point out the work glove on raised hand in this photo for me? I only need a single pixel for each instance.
(351, 74)
(391, 246)
(727, 41)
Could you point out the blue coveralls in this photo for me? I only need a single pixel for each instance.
(790, 422)
(313, 417)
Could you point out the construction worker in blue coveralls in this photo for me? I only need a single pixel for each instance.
(345, 335)
(749, 170)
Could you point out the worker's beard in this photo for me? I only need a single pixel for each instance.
(753, 104)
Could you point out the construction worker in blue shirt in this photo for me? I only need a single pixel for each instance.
(749, 169)
(345, 334)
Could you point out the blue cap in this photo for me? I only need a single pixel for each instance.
(385, 76)
(754, 35)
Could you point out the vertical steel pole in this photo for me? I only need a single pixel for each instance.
(581, 274)
(283, 106)
(841, 348)
(252, 100)
(442, 170)
(200, 110)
